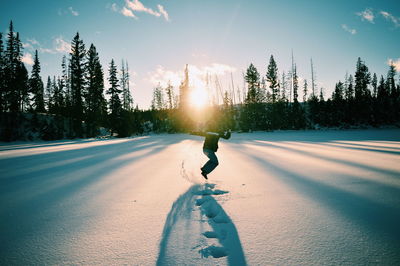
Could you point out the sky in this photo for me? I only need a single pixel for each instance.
(219, 37)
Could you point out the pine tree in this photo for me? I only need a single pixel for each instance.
(157, 102)
(2, 75)
(170, 95)
(253, 83)
(295, 85)
(65, 88)
(13, 70)
(390, 80)
(114, 102)
(77, 78)
(48, 93)
(272, 78)
(362, 93)
(36, 87)
(58, 96)
(305, 91)
(127, 101)
(374, 84)
(94, 98)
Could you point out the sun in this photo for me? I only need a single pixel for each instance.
(198, 98)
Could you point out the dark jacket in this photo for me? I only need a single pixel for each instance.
(211, 141)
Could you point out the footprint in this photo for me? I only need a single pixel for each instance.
(219, 192)
(203, 199)
(220, 219)
(210, 209)
(215, 252)
(210, 234)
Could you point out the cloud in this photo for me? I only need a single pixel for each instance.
(27, 59)
(163, 12)
(346, 28)
(367, 14)
(114, 7)
(390, 17)
(73, 12)
(62, 46)
(133, 6)
(396, 63)
(128, 13)
(46, 50)
(197, 75)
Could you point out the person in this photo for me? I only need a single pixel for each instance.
(210, 147)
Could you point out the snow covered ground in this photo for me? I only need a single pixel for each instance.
(281, 198)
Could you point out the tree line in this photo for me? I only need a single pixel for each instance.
(71, 105)
(74, 104)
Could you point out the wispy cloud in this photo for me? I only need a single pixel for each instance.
(367, 15)
(394, 62)
(391, 18)
(128, 13)
(27, 58)
(135, 6)
(61, 45)
(73, 12)
(163, 12)
(348, 29)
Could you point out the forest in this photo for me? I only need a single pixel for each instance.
(78, 104)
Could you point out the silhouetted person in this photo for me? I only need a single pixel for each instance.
(210, 147)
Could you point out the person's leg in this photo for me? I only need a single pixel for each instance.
(210, 165)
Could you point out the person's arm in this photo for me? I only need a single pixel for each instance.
(226, 135)
(198, 133)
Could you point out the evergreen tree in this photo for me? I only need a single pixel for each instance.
(49, 87)
(115, 101)
(2, 75)
(94, 98)
(272, 78)
(157, 102)
(170, 95)
(374, 84)
(252, 79)
(65, 87)
(295, 85)
(14, 83)
(36, 87)
(127, 101)
(77, 79)
(305, 91)
(362, 94)
(58, 96)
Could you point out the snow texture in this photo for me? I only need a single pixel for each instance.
(276, 198)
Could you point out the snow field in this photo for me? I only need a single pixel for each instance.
(277, 198)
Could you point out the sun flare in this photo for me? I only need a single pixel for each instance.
(198, 98)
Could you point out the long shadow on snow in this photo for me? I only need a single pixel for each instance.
(182, 208)
(327, 158)
(23, 215)
(380, 219)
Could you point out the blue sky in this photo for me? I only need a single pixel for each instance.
(159, 37)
